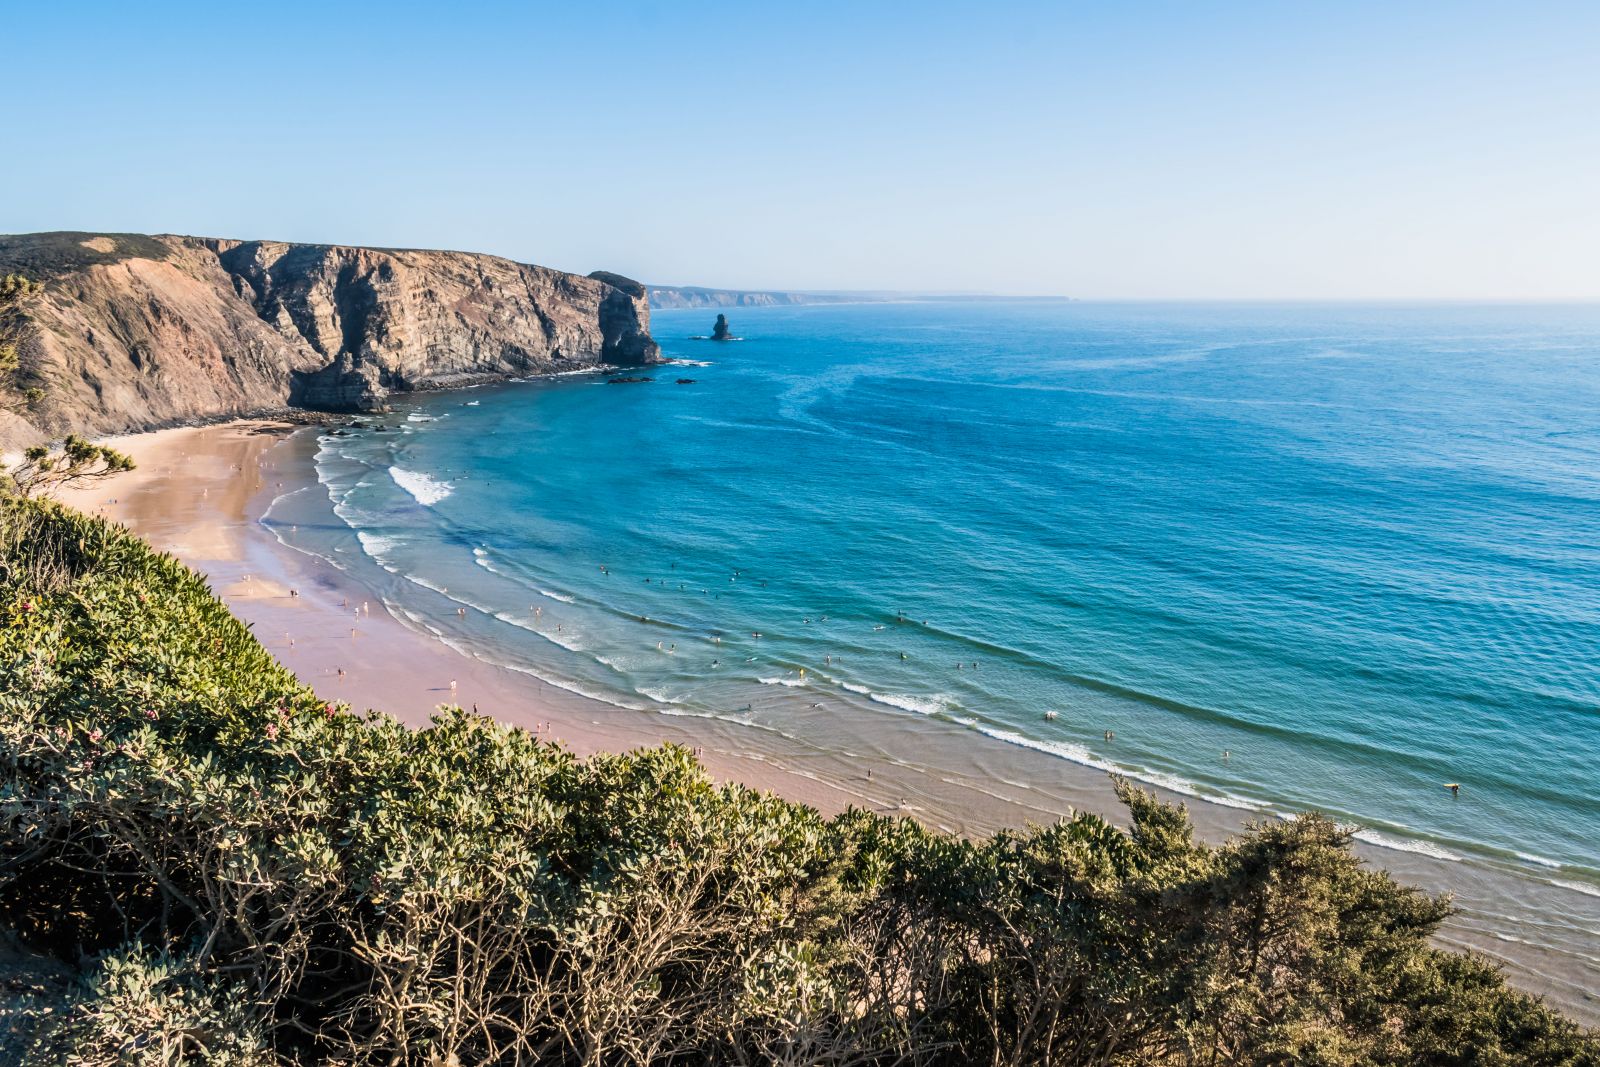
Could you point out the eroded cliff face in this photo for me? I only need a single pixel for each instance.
(135, 332)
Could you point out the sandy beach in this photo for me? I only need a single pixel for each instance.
(200, 493)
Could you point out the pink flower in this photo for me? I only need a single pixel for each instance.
(272, 731)
(329, 711)
(95, 736)
(150, 713)
(27, 605)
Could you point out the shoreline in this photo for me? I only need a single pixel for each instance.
(202, 493)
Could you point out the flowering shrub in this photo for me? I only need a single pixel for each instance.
(265, 878)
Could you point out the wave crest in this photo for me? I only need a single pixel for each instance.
(425, 490)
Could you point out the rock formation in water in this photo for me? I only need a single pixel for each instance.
(133, 332)
(721, 332)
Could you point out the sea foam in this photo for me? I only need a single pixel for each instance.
(427, 491)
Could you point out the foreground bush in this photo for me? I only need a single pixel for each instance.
(248, 875)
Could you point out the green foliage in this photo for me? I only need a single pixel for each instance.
(139, 1007)
(44, 470)
(15, 292)
(270, 878)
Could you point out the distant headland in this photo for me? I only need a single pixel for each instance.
(694, 296)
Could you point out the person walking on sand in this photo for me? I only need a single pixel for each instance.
(452, 685)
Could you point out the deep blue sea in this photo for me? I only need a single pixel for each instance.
(1291, 557)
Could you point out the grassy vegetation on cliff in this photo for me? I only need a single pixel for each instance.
(248, 875)
(49, 255)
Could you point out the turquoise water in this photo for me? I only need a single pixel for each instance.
(1353, 548)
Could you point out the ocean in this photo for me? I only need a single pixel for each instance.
(1278, 557)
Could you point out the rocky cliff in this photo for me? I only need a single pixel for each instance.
(132, 332)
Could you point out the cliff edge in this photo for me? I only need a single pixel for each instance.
(133, 332)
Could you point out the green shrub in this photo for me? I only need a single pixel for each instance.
(136, 1007)
(338, 888)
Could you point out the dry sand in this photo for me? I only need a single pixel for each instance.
(200, 492)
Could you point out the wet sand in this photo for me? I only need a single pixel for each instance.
(200, 493)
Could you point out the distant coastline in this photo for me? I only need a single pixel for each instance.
(695, 296)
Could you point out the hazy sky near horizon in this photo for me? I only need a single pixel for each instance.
(1099, 150)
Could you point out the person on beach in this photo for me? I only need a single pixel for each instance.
(452, 685)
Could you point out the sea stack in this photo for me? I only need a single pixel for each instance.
(720, 331)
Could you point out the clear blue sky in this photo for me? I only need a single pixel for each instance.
(1276, 150)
